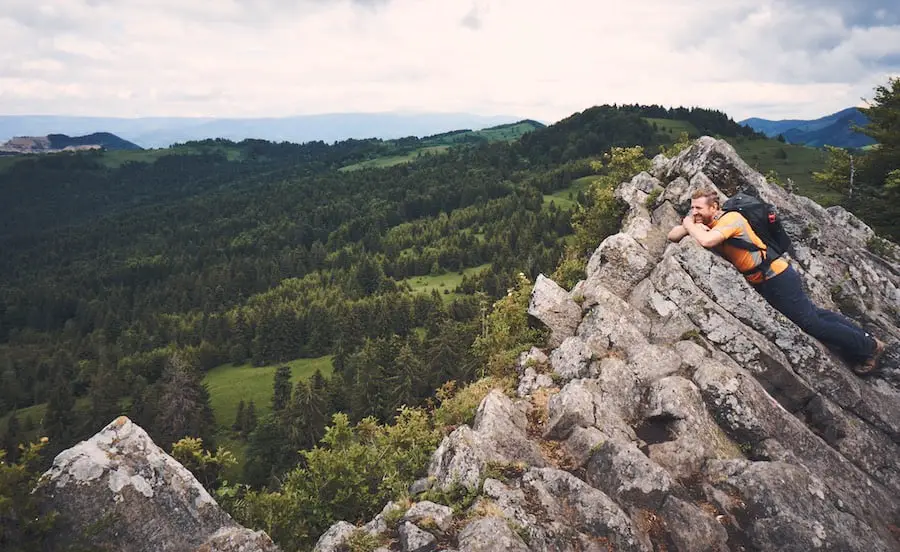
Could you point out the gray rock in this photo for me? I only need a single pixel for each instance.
(440, 515)
(531, 358)
(620, 263)
(624, 473)
(490, 534)
(531, 381)
(653, 362)
(692, 529)
(552, 305)
(459, 459)
(574, 504)
(659, 165)
(334, 538)
(572, 407)
(581, 442)
(511, 502)
(118, 480)
(413, 539)
(499, 435)
(572, 359)
(785, 508)
(503, 424)
(611, 317)
(379, 524)
(420, 486)
(237, 539)
(751, 416)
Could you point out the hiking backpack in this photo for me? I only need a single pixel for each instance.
(765, 223)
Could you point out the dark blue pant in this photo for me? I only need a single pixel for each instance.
(785, 293)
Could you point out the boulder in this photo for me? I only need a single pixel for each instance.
(552, 305)
(490, 534)
(107, 488)
(413, 539)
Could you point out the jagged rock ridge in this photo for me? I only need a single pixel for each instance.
(684, 413)
(119, 491)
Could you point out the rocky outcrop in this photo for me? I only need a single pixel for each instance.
(676, 410)
(119, 491)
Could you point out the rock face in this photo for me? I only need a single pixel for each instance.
(679, 411)
(119, 491)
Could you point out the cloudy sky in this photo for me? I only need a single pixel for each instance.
(528, 58)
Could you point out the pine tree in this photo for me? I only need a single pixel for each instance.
(59, 422)
(281, 389)
(239, 419)
(184, 409)
(12, 437)
(250, 421)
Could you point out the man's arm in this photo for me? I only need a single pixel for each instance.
(704, 236)
(677, 233)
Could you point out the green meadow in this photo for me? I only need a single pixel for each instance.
(229, 384)
(441, 282)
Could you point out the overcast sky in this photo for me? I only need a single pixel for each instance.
(528, 58)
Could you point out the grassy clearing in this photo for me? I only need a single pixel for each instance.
(448, 281)
(506, 133)
(229, 384)
(673, 127)
(36, 413)
(115, 159)
(391, 160)
(788, 161)
(567, 197)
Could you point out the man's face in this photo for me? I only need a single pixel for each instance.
(703, 210)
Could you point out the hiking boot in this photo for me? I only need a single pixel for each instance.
(871, 364)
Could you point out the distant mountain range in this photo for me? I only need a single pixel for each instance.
(833, 130)
(61, 142)
(157, 132)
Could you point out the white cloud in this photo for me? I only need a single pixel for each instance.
(517, 57)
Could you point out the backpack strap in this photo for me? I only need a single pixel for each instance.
(752, 247)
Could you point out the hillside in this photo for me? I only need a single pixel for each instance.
(834, 130)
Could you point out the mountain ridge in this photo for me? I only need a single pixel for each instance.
(55, 142)
(835, 129)
(154, 132)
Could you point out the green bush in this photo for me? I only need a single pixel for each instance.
(458, 406)
(350, 476)
(507, 331)
(22, 526)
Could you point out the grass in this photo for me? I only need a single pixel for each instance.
(562, 197)
(673, 127)
(391, 160)
(448, 281)
(788, 161)
(229, 384)
(506, 133)
(36, 413)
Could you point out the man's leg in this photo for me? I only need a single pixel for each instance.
(836, 317)
(785, 293)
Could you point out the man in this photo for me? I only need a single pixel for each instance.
(774, 279)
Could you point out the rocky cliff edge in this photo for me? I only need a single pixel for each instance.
(675, 409)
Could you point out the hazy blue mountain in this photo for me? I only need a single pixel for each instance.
(834, 130)
(154, 132)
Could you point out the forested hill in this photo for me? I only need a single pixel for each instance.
(129, 278)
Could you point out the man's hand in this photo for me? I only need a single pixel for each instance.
(701, 232)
